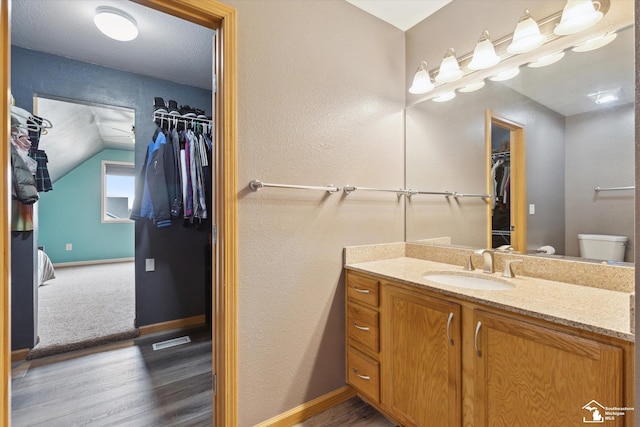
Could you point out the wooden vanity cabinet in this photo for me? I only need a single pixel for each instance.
(526, 374)
(421, 351)
(432, 360)
(363, 335)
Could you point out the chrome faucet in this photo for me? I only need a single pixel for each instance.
(487, 257)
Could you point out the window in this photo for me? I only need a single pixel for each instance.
(118, 189)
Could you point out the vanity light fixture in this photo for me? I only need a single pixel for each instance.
(552, 58)
(447, 96)
(577, 15)
(449, 68)
(421, 80)
(506, 75)
(526, 36)
(484, 55)
(116, 23)
(472, 87)
(595, 42)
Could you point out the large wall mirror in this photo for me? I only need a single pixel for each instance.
(575, 144)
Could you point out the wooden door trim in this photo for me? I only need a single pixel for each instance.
(5, 263)
(221, 17)
(518, 178)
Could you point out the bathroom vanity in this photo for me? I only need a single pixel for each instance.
(542, 352)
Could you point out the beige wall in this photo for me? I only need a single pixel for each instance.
(321, 95)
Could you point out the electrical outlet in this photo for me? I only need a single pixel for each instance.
(68, 246)
(150, 264)
(532, 209)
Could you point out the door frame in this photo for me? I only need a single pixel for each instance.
(518, 194)
(222, 18)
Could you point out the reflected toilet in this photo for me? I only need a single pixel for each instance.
(602, 246)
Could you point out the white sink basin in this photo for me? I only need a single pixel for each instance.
(469, 282)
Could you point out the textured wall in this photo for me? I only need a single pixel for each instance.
(443, 155)
(71, 213)
(320, 101)
(599, 153)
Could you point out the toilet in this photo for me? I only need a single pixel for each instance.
(602, 246)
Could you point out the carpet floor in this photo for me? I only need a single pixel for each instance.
(85, 306)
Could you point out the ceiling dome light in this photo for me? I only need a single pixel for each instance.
(115, 23)
(449, 68)
(445, 97)
(472, 87)
(506, 75)
(595, 42)
(421, 80)
(484, 55)
(526, 36)
(577, 15)
(552, 58)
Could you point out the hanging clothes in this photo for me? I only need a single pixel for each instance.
(175, 178)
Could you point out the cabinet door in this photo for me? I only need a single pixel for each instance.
(528, 375)
(420, 358)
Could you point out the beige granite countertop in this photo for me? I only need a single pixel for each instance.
(604, 311)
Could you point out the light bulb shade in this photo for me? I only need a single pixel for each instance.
(447, 96)
(506, 75)
(449, 69)
(526, 36)
(552, 58)
(472, 87)
(421, 81)
(577, 15)
(595, 42)
(484, 55)
(115, 23)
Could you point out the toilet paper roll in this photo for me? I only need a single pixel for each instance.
(546, 250)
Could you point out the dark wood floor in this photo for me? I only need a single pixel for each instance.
(125, 384)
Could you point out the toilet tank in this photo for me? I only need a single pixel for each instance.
(602, 246)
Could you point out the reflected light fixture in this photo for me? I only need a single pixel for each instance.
(577, 15)
(605, 96)
(116, 23)
(484, 55)
(421, 80)
(506, 75)
(526, 36)
(552, 58)
(447, 96)
(472, 87)
(595, 42)
(449, 68)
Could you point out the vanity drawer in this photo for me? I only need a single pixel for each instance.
(363, 374)
(363, 289)
(363, 326)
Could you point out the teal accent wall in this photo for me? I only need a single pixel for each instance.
(71, 212)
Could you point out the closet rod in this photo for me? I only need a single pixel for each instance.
(351, 188)
(598, 189)
(255, 185)
(169, 116)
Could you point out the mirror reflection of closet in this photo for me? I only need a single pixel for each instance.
(506, 184)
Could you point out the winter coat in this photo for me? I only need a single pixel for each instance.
(24, 184)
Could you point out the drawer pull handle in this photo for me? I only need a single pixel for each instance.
(478, 352)
(449, 328)
(362, 291)
(364, 377)
(362, 328)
